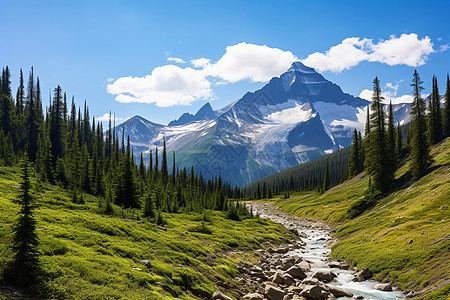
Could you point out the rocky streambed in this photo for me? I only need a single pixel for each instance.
(304, 270)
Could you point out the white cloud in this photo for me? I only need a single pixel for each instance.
(176, 60)
(201, 62)
(444, 48)
(250, 61)
(341, 57)
(388, 96)
(166, 86)
(105, 118)
(110, 79)
(407, 49)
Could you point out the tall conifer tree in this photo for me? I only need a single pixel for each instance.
(420, 153)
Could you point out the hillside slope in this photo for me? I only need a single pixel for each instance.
(93, 256)
(404, 238)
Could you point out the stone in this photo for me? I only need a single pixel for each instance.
(324, 276)
(167, 288)
(358, 297)
(253, 296)
(282, 250)
(305, 266)
(274, 293)
(277, 278)
(310, 281)
(312, 291)
(288, 279)
(334, 264)
(288, 296)
(296, 272)
(385, 287)
(363, 275)
(339, 292)
(218, 295)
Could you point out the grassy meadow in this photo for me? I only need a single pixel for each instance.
(404, 237)
(88, 255)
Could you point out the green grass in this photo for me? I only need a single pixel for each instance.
(400, 236)
(93, 256)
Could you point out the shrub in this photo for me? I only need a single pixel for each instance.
(201, 229)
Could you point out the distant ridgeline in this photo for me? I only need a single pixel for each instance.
(72, 151)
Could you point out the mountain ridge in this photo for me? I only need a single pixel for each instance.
(294, 118)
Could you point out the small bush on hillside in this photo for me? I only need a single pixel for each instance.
(365, 203)
(201, 229)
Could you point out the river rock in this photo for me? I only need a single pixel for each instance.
(273, 293)
(363, 275)
(339, 292)
(288, 279)
(324, 276)
(312, 291)
(282, 250)
(218, 295)
(253, 296)
(335, 264)
(310, 281)
(277, 278)
(296, 272)
(305, 266)
(385, 287)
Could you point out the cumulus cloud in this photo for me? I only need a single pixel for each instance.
(388, 96)
(106, 116)
(166, 86)
(201, 62)
(176, 60)
(408, 49)
(249, 61)
(110, 79)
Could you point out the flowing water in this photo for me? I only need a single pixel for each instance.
(318, 254)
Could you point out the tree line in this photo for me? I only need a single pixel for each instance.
(384, 144)
(69, 148)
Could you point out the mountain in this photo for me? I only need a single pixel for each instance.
(204, 113)
(296, 117)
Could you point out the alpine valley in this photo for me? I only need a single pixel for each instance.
(295, 118)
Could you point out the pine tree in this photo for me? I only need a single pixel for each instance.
(354, 160)
(20, 96)
(434, 116)
(398, 141)
(420, 153)
(56, 121)
(164, 169)
(149, 206)
(31, 122)
(326, 179)
(25, 267)
(391, 154)
(446, 111)
(377, 163)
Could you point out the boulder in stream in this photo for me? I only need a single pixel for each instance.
(363, 275)
(253, 296)
(312, 292)
(296, 272)
(324, 276)
(339, 292)
(385, 287)
(273, 293)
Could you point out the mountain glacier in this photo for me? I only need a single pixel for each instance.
(296, 117)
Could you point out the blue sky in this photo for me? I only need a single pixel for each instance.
(81, 44)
